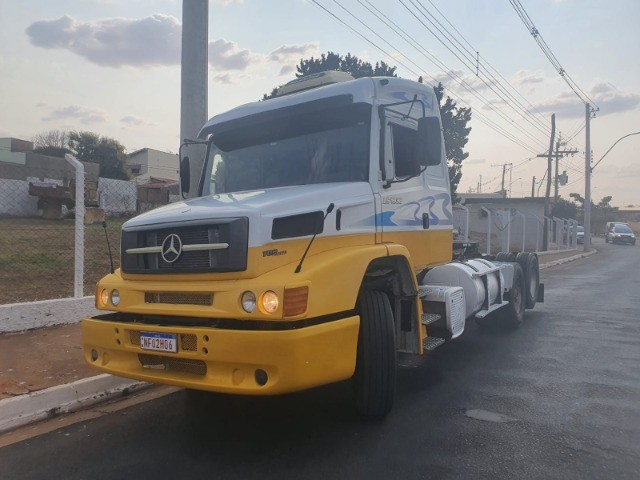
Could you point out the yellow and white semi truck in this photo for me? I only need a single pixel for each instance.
(318, 245)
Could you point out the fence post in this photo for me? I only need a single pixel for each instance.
(78, 277)
(488, 229)
(466, 221)
(524, 229)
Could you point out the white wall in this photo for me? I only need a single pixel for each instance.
(15, 200)
(117, 197)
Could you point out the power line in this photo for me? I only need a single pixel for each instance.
(488, 84)
(490, 81)
(449, 72)
(542, 119)
(482, 118)
(524, 16)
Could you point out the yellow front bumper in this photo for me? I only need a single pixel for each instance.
(227, 360)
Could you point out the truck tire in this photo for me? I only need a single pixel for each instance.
(531, 269)
(374, 380)
(512, 314)
(506, 257)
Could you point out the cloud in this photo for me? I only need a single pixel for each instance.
(226, 3)
(293, 53)
(226, 55)
(286, 70)
(525, 78)
(494, 104)
(605, 95)
(224, 78)
(113, 42)
(132, 120)
(85, 115)
(474, 161)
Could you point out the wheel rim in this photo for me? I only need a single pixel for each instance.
(516, 298)
(533, 283)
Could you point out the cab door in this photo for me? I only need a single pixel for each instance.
(416, 205)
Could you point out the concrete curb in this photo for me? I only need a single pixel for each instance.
(567, 259)
(24, 409)
(19, 317)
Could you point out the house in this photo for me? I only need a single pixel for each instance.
(148, 162)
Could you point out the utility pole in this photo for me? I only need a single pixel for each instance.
(193, 81)
(504, 171)
(558, 155)
(547, 209)
(533, 186)
(587, 180)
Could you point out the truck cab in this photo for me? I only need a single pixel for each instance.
(296, 263)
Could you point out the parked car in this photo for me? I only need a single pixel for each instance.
(580, 234)
(620, 233)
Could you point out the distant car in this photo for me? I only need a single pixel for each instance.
(620, 233)
(580, 234)
(611, 224)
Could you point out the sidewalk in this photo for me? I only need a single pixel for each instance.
(36, 364)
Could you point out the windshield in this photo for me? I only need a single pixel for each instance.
(580, 229)
(320, 147)
(622, 229)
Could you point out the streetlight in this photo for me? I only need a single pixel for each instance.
(611, 147)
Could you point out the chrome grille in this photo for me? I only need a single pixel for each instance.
(170, 364)
(179, 298)
(232, 232)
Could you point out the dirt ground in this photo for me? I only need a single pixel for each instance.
(40, 359)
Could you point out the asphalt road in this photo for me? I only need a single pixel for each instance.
(558, 398)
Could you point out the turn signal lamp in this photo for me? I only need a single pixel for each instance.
(102, 298)
(270, 301)
(295, 301)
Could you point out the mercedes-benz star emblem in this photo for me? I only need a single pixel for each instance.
(171, 248)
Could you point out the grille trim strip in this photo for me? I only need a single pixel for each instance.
(194, 247)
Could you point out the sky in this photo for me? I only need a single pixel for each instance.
(112, 67)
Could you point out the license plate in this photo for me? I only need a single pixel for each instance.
(160, 342)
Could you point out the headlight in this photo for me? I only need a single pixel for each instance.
(248, 301)
(270, 301)
(115, 297)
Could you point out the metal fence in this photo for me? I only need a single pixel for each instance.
(52, 246)
(509, 229)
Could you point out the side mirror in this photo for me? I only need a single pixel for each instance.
(185, 176)
(428, 149)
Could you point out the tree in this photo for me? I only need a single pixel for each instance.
(454, 118)
(456, 136)
(107, 152)
(601, 213)
(564, 209)
(54, 143)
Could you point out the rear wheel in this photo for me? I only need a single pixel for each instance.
(512, 314)
(506, 257)
(374, 380)
(531, 270)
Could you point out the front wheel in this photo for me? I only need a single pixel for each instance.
(374, 380)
